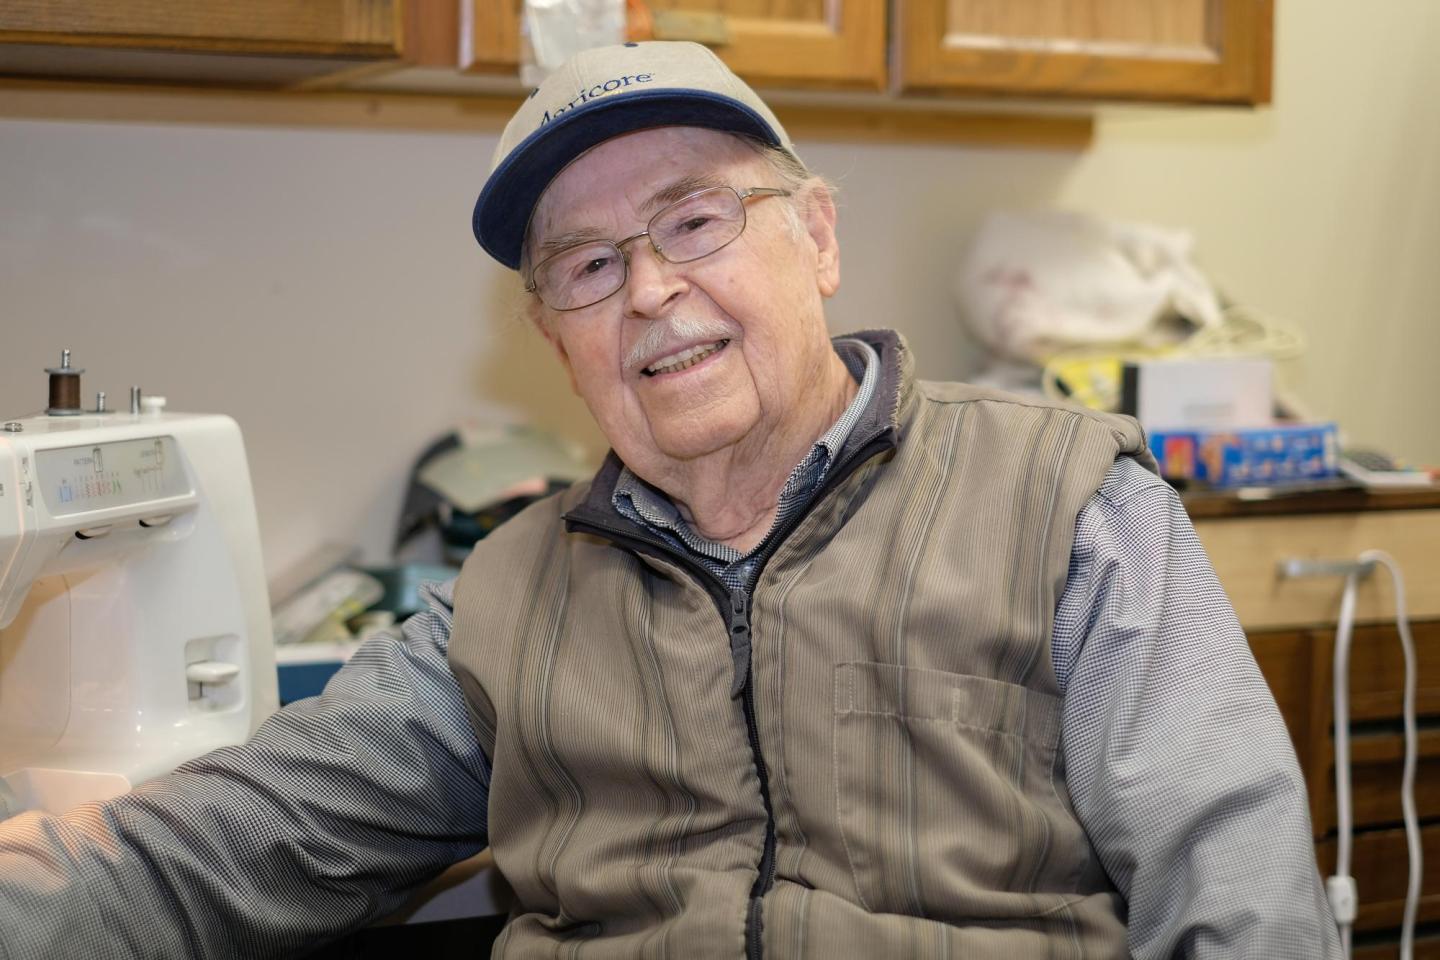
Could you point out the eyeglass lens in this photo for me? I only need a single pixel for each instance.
(689, 229)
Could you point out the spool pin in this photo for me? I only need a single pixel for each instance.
(64, 388)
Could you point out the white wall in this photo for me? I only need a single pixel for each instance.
(322, 286)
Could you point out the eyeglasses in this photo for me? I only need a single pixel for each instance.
(688, 229)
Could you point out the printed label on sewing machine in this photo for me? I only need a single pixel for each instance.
(118, 474)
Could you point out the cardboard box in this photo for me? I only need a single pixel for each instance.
(1259, 456)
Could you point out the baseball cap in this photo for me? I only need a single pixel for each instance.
(599, 94)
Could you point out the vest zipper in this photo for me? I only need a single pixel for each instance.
(735, 609)
(742, 685)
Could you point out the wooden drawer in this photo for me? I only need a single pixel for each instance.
(1426, 948)
(1289, 660)
(1377, 671)
(1376, 763)
(1299, 666)
(1247, 551)
(1381, 867)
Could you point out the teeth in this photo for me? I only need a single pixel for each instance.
(685, 358)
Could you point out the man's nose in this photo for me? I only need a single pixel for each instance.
(654, 282)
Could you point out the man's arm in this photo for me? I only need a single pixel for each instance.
(325, 819)
(1178, 761)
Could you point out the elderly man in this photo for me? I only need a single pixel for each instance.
(824, 662)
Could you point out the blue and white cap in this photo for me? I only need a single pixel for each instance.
(597, 95)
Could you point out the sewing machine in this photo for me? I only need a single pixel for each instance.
(134, 618)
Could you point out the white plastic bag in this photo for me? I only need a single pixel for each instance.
(1041, 283)
(559, 29)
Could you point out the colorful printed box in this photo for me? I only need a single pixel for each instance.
(1284, 453)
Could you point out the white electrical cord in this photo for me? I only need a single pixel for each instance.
(1341, 886)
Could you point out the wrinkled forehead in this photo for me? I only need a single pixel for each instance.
(629, 177)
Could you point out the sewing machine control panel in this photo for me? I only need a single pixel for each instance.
(112, 474)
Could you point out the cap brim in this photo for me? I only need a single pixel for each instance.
(502, 212)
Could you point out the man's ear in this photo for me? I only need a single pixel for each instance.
(535, 312)
(819, 213)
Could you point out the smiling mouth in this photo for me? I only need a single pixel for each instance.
(684, 359)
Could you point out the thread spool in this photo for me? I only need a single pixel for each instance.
(64, 388)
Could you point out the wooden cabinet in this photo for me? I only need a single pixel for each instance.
(835, 44)
(1169, 50)
(873, 51)
(1291, 627)
(260, 42)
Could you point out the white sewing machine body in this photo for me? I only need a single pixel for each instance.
(134, 617)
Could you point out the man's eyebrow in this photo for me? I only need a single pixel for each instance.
(557, 243)
(679, 190)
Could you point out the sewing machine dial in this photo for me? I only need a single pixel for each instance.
(114, 474)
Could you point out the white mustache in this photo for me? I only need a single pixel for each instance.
(661, 333)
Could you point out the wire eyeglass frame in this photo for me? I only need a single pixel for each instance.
(535, 280)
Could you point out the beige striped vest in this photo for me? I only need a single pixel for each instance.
(887, 783)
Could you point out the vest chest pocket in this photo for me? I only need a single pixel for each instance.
(945, 795)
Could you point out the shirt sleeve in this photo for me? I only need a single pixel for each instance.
(325, 819)
(1177, 758)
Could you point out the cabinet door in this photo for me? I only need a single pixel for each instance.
(814, 43)
(1166, 50)
(263, 42)
(837, 43)
(490, 36)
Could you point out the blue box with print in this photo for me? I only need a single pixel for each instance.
(1256, 456)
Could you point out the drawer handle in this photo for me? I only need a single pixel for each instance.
(1296, 567)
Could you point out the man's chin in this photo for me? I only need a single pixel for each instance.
(684, 443)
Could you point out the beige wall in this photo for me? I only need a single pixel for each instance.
(1323, 211)
(322, 287)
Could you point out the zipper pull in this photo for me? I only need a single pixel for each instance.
(739, 641)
